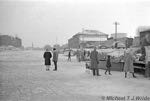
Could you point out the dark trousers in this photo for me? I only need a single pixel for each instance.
(107, 69)
(95, 72)
(55, 63)
(69, 58)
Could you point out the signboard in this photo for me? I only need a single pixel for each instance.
(147, 49)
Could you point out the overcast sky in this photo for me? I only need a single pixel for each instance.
(44, 21)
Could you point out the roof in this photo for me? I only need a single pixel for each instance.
(143, 29)
(119, 33)
(93, 32)
(148, 30)
(87, 33)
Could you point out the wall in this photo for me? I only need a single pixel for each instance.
(74, 42)
(119, 35)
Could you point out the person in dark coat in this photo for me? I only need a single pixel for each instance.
(108, 65)
(69, 55)
(94, 62)
(55, 58)
(47, 56)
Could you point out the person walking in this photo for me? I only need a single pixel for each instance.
(108, 65)
(128, 66)
(94, 62)
(47, 56)
(69, 55)
(55, 58)
(84, 55)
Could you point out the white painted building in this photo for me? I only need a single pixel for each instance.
(87, 37)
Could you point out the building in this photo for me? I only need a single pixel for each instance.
(126, 41)
(118, 35)
(145, 38)
(86, 38)
(136, 42)
(6, 40)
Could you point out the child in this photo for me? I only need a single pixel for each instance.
(108, 65)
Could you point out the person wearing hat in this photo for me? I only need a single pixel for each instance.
(128, 66)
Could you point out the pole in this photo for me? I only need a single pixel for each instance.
(116, 23)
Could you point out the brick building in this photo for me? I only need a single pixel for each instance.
(6, 40)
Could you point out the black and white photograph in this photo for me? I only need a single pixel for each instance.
(74, 50)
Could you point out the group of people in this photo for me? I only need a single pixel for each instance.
(47, 56)
(128, 63)
(82, 55)
(95, 61)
